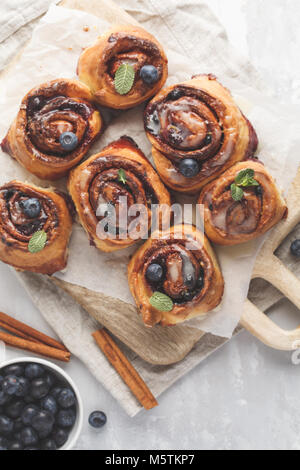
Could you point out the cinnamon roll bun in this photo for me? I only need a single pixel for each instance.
(175, 276)
(242, 204)
(35, 227)
(197, 132)
(114, 193)
(55, 127)
(129, 46)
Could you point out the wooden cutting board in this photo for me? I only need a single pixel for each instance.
(169, 345)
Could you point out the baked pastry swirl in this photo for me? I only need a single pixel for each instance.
(180, 264)
(61, 106)
(260, 206)
(25, 210)
(123, 44)
(197, 132)
(111, 188)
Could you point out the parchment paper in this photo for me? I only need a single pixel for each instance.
(53, 52)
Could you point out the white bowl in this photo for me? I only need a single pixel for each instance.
(76, 430)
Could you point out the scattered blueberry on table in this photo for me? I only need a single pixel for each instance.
(37, 408)
(97, 419)
(295, 248)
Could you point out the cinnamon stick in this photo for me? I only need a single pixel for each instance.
(125, 369)
(37, 348)
(16, 332)
(30, 332)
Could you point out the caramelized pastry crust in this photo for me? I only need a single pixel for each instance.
(191, 276)
(46, 112)
(122, 44)
(230, 222)
(17, 226)
(197, 120)
(109, 184)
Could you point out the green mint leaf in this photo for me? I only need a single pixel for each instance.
(37, 242)
(124, 78)
(236, 192)
(244, 176)
(252, 182)
(122, 176)
(161, 302)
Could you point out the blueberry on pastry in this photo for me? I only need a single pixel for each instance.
(125, 67)
(197, 131)
(175, 276)
(55, 127)
(35, 227)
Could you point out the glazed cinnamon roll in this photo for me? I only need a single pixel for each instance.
(114, 192)
(175, 276)
(35, 227)
(242, 204)
(55, 127)
(197, 132)
(141, 57)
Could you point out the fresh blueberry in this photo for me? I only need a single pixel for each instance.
(29, 412)
(13, 369)
(189, 167)
(15, 445)
(295, 248)
(66, 418)
(31, 207)
(48, 403)
(4, 398)
(97, 419)
(48, 444)
(68, 141)
(10, 385)
(39, 388)
(1, 380)
(50, 379)
(43, 421)
(60, 437)
(6, 425)
(174, 94)
(18, 425)
(149, 74)
(34, 371)
(66, 398)
(23, 387)
(28, 436)
(56, 391)
(154, 272)
(14, 409)
(3, 443)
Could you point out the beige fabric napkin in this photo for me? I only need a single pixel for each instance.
(187, 27)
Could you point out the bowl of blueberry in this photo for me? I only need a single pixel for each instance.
(40, 406)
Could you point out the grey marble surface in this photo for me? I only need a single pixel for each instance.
(245, 396)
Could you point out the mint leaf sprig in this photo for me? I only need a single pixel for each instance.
(37, 242)
(122, 176)
(161, 302)
(244, 179)
(124, 79)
